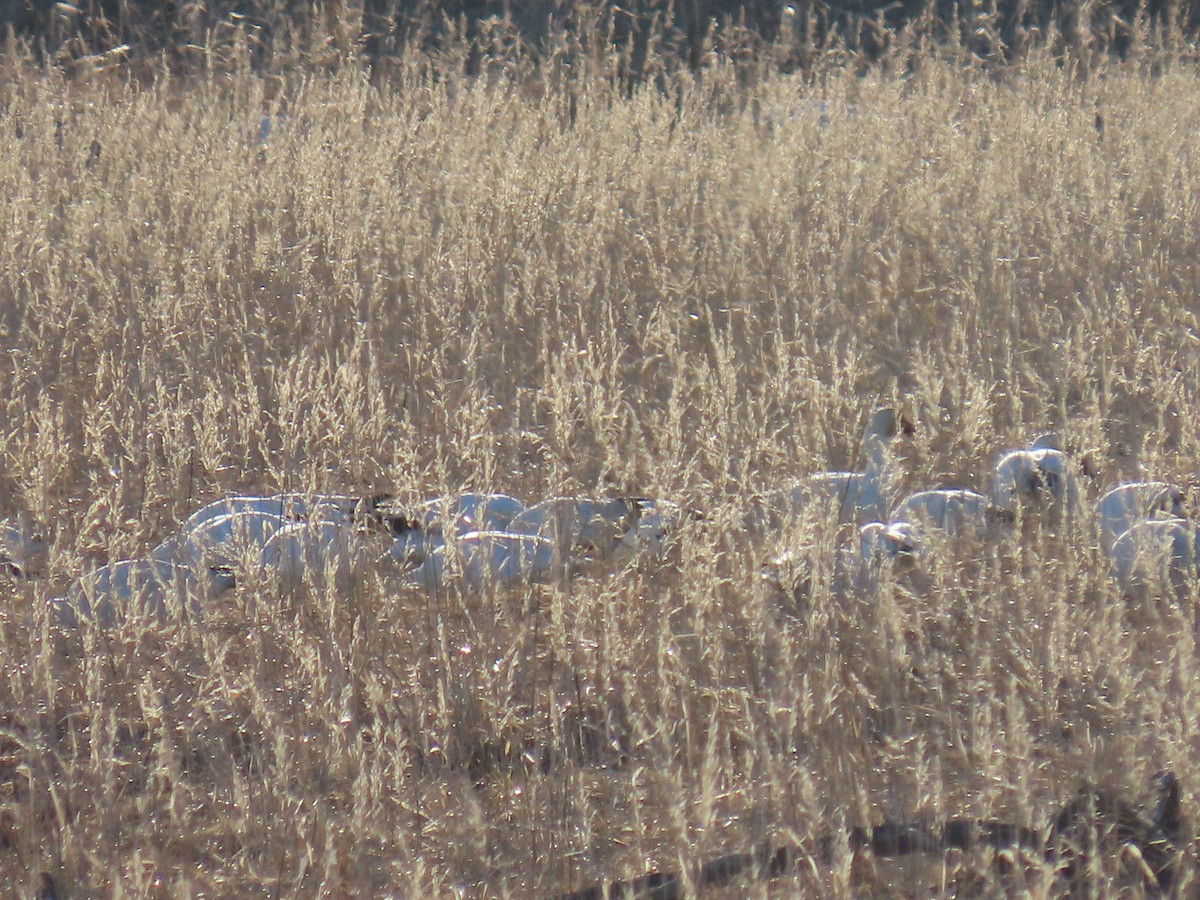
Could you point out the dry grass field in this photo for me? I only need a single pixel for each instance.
(696, 289)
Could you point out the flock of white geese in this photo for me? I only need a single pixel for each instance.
(1142, 528)
(480, 540)
(472, 539)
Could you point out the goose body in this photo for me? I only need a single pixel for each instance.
(579, 524)
(322, 552)
(499, 558)
(470, 512)
(952, 510)
(462, 513)
(895, 549)
(858, 497)
(224, 540)
(878, 542)
(1039, 479)
(285, 507)
(147, 586)
(656, 520)
(1127, 504)
(1158, 556)
(414, 544)
(857, 570)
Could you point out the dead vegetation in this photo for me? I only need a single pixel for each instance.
(440, 283)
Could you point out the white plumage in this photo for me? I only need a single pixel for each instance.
(541, 543)
(1038, 479)
(580, 525)
(499, 558)
(322, 552)
(1048, 441)
(1156, 557)
(225, 540)
(857, 570)
(459, 514)
(286, 507)
(413, 544)
(471, 512)
(148, 587)
(878, 542)
(1127, 504)
(954, 511)
(656, 520)
(858, 497)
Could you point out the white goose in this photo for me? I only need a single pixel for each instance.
(1039, 474)
(499, 558)
(1127, 504)
(880, 543)
(141, 586)
(321, 552)
(1159, 556)
(1050, 440)
(952, 510)
(223, 541)
(580, 525)
(463, 513)
(1040, 479)
(858, 497)
(656, 521)
(857, 570)
(471, 512)
(287, 507)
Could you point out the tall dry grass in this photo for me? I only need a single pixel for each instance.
(698, 293)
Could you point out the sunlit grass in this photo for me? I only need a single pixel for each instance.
(697, 294)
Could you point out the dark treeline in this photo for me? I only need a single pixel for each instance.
(682, 31)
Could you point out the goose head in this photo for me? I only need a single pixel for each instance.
(878, 541)
(1174, 502)
(886, 423)
(882, 427)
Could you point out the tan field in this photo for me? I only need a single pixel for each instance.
(698, 289)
